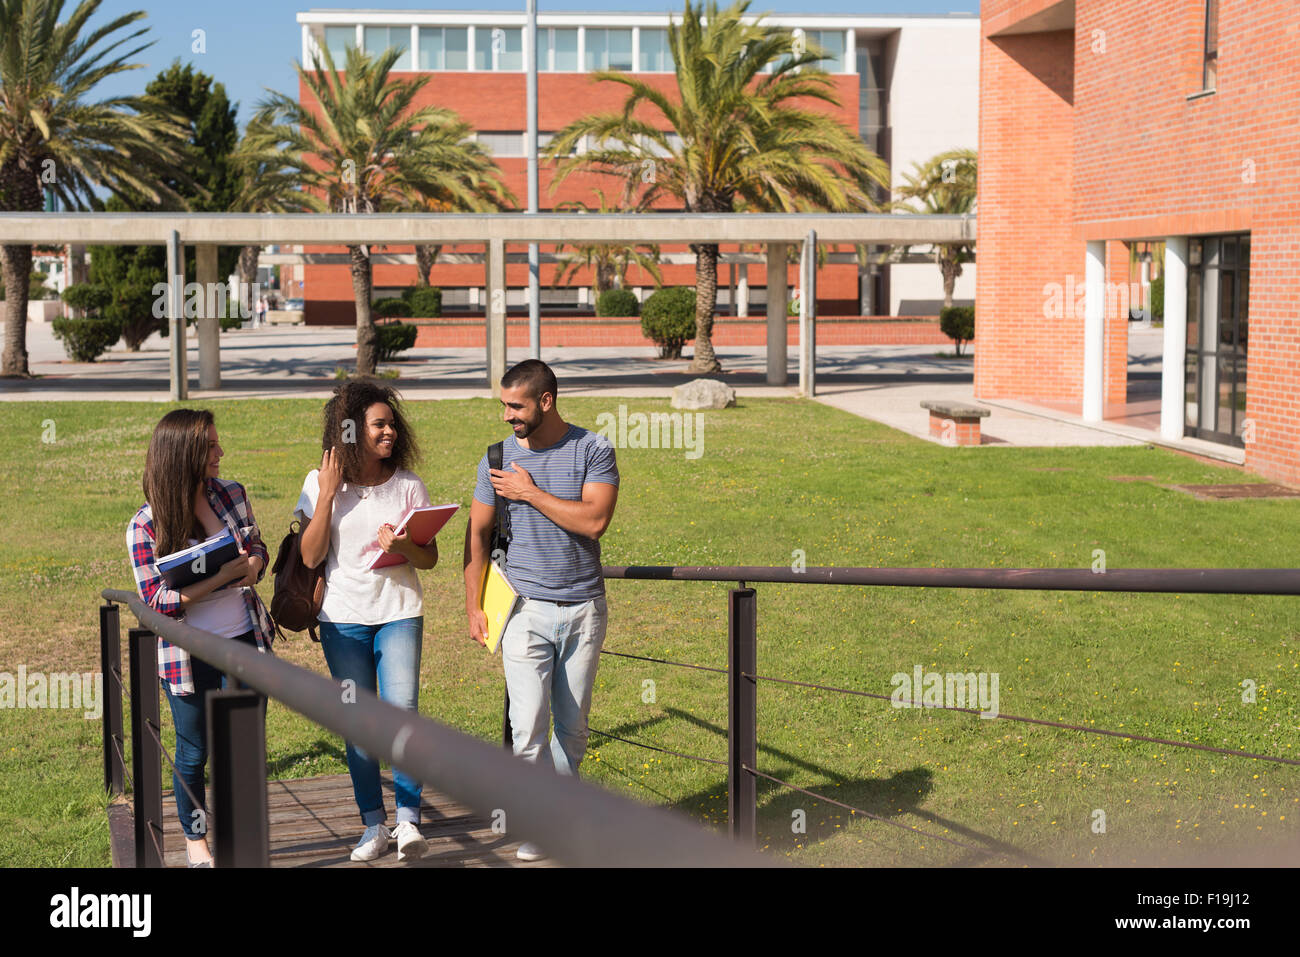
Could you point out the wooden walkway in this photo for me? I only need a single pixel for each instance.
(314, 823)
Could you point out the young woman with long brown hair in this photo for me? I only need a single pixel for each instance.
(186, 501)
(372, 620)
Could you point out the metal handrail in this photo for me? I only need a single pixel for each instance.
(576, 823)
(1235, 581)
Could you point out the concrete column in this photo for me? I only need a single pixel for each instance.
(1173, 371)
(808, 317)
(496, 314)
(777, 337)
(179, 373)
(1094, 331)
(209, 325)
(742, 291)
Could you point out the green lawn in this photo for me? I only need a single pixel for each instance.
(775, 477)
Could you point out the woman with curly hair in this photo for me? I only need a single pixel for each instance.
(186, 502)
(372, 620)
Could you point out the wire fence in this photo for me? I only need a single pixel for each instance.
(1196, 581)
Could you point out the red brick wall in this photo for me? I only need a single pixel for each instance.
(1024, 242)
(496, 101)
(1138, 160)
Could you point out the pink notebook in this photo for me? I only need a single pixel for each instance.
(424, 522)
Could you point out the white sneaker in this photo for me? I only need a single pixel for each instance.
(528, 851)
(373, 843)
(410, 844)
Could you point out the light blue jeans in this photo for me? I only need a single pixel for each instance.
(383, 659)
(550, 653)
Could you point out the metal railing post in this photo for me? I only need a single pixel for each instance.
(110, 665)
(237, 799)
(742, 714)
(146, 753)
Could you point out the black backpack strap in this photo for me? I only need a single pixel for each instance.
(496, 460)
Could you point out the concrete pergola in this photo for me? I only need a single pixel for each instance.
(207, 231)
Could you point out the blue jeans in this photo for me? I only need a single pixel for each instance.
(383, 659)
(189, 715)
(550, 653)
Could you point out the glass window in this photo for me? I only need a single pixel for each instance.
(510, 49)
(1210, 72)
(379, 39)
(655, 54)
(337, 41)
(483, 48)
(832, 41)
(609, 50)
(432, 51)
(565, 43)
(508, 143)
(456, 41)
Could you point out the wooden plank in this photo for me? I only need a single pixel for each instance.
(314, 823)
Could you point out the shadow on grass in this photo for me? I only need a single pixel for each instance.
(901, 794)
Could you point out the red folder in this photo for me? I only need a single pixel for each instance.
(424, 522)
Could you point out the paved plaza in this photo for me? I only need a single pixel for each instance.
(884, 383)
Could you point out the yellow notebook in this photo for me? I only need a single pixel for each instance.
(497, 598)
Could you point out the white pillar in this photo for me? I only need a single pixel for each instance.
(1173, 371)
(1094, 332)
(742, 291)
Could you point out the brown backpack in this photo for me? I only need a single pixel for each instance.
(299, 590)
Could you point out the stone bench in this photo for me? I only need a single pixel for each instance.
(955, 423)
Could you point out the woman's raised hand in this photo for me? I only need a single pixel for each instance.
(331, 473)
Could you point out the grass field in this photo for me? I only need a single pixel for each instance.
(777, 478)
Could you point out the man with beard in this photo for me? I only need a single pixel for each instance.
(560, 484)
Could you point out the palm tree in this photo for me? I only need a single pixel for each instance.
(53, 137)
(944, 184)
(731, 132)
(371, 149)
(608, 261)
(273, 179)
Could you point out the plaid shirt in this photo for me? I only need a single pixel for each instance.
(230, 504)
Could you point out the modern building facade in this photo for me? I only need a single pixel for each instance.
(907, 85)
(1112, 127)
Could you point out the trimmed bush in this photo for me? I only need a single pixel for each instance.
(426, 302)
(1158, 298)
(88, 297)
(617, 302)
(958, 324)
(393, 309)
(394, 337)
(132, 308)
(84, 340)
(668, 319)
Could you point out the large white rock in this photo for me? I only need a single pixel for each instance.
(703, 394)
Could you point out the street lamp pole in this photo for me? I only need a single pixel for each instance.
(534, 314)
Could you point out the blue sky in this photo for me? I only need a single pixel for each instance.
(251, 44)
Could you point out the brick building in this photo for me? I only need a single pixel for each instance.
(907, 85)
(1110, 128)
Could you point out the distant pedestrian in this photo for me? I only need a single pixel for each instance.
(261, 313)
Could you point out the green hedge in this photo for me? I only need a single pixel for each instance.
(394, 337)
(84, 340)
(426, 302)
(392, 308)
(958, 324)
(668, 319)
(617, 302)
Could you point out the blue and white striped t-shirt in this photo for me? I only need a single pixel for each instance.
(544, 560)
